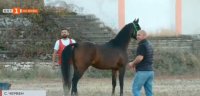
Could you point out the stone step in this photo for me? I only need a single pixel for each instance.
(99, 38)
(81, 24)
(170, 38)
(92, 27)
(75, 20)
(96, 35)
(69, 19)
(6, 29)
(79, 21)
(7, 52)
(96, 32)
(86, 17)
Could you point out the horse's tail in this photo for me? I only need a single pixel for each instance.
(67, 56)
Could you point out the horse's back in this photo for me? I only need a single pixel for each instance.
(110, 57)
(100, 56)
(85, 52)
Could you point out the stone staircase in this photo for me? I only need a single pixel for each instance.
(88, 27)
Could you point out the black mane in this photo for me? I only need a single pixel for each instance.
(123, 37)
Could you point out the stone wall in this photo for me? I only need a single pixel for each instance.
(17, 66)
(12, 34)
(182, 43)
(13, 21)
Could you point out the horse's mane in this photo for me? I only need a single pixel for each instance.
(123, 37)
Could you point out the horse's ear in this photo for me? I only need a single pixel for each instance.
(134, 20)
(137, 20)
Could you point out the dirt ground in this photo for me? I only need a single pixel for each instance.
(163, 86)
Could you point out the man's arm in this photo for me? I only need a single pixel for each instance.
(55, 49)
(54, 56)
(137, 60)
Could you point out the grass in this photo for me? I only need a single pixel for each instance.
(33, 73)
(163, 86)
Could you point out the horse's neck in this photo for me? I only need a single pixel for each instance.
(118, 43)
(126, 45)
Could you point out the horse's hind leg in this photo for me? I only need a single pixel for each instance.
(77, 75)
(75, 80)
(121, 79)
(113, 82)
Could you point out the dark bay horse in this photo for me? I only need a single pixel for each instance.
(111, 55)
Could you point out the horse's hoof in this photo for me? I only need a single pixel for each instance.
(74, 94)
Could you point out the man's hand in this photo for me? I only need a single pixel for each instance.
(131, 66)
(54, 65)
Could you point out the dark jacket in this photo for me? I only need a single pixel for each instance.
(145, 49)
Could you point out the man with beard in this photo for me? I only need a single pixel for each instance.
(60, 45)
(58, 48)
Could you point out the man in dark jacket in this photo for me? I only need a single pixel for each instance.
(142, 64)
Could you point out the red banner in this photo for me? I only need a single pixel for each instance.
(0, 92)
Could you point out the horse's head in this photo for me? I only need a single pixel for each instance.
(135, 27)
(126, 33)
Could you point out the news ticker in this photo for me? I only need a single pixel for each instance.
(17, 11)
(22, 93)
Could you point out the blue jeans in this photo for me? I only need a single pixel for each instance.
(143, 78)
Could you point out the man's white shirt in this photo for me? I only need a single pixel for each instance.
(64, 41)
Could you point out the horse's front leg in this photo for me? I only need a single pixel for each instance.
(121, 79)
(113, 82)
(77, 75)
